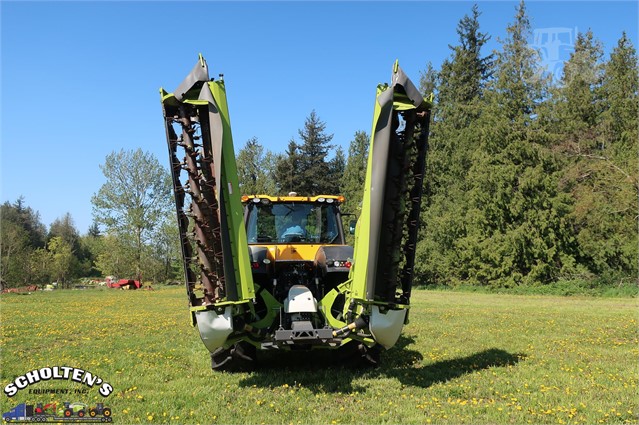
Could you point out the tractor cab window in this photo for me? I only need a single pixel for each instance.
(292, 223)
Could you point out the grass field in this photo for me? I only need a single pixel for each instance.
(464, 358)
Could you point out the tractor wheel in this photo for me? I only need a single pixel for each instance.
(81, 413)
(371, 355)
(240, 357)
(92, 413)
(106, 412)
(68, 413)
(358, 355)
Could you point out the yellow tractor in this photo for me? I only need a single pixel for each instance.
(274, 272)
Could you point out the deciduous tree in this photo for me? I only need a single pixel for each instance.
(134, 198)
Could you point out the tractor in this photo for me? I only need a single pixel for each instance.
(73, 409)
(267, 272)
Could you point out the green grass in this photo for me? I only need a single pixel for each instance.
(564, 287)
(464, 358)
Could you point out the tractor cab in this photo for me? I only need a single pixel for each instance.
(296, 240)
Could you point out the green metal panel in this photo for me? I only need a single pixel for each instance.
(376, 267)
(358, 273)
(233, 205)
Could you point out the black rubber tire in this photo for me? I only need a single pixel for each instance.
(240, 357)
(357, 355)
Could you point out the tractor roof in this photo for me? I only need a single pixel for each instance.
(338, 199)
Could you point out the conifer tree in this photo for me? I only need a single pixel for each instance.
(314, 169)
(304, 168)
(255, 169)
(454, 138)
(577, 101)
(352, 180)
(601, 170)
(518, 228)
(287, 168)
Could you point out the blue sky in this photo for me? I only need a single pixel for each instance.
(80, 79)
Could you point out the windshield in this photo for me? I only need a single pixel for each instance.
(292, 223)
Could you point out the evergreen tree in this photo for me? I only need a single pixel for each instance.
(314, 170)
(336, 166)
(287, 169)
(453, 141)
(304, 168)
(577, 101)
(22, 237)
(94, 230)
(620, 89)
(462, 78)
(518, 228)
(428, 80)
(601, 141)
(27, 219)
(255, 169)
(64, 228)
(352, 181)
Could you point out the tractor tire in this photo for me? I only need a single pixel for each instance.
(240, 357)
(92, 413)
(81, 413)
(68, 413)
(106, 412)
(358, 355)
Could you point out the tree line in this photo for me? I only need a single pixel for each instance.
(529, 180)
(133, 235)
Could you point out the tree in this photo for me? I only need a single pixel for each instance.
(307, 161)
(463, 77)
(620, 89)
(428, 80)
(94, 230)
(40, 267)
(117, 256)
(454, 140)
(598, 134)
(518, 227)
(136, 195)
(287, 169)
(28, 219)
(15, 250)
(62, 259)
(352, 181)
(256, 169)
(64, 228)
(354, 176)
(336, 167)
(577, 102)
(21, 233)
(163, 258)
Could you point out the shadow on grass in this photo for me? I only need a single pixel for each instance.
(324, 372)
